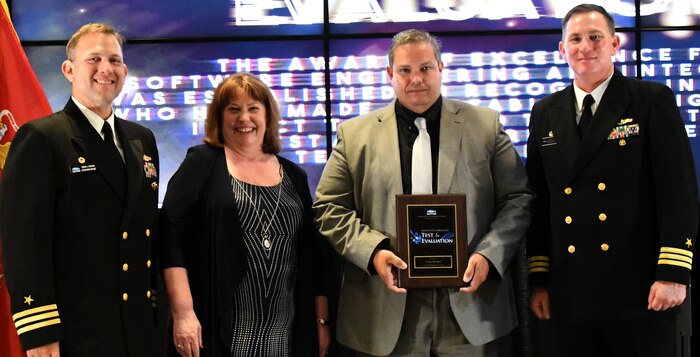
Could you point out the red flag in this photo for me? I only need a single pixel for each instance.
(21, 100)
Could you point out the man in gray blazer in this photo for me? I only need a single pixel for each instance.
(355, 211)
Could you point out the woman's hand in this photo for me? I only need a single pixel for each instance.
(187, 333)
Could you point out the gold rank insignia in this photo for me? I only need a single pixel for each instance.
(146, 157)
(689, 242)
(538, 264)
(676, 257)
(28, 300)
(625, 121)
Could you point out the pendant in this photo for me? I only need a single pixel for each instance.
(266, 242)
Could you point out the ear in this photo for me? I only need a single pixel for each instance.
(616, 43)
(389, 72)
(561, 50)
(68, 70)
(441, 65)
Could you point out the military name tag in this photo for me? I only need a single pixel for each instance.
(432, 240)
(82, 168)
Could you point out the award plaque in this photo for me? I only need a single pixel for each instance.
(431, 234)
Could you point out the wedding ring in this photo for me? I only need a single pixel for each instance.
(179, 346)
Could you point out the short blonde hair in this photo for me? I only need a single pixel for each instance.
(94, 27)
(225, 93)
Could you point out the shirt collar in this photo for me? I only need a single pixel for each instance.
(597, 94)
(430, 115)
(95, 120)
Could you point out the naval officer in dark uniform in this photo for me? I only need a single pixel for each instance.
(611, 243)
(78, 205)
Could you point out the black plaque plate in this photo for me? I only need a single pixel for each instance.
(432, 240)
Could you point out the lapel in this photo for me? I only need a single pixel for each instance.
(451, 132)
(385, 135)
(93, 146)
(133, 157)
(612, 106)
(561, 121)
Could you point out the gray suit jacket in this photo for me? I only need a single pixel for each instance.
(355, 211)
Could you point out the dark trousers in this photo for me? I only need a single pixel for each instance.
(654, 337)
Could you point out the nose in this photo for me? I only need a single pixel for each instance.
(243, 116)
(586, 45)
(416, 79)
(104, 66)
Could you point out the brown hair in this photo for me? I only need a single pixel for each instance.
(410, 36)
(256, 89)
(584, 9)
(94, 27)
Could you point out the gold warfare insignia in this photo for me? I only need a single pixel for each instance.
(146, 157)
(625, 121)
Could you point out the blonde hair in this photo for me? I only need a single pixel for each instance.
(94, 27)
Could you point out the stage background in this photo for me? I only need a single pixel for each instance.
(325, 61)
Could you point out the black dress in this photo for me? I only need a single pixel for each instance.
(199, 230)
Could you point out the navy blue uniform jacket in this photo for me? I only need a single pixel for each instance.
(617, 209)
(77, 234)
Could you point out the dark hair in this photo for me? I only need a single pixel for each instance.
(409, 36)
(584, 9)
(94, 27)
(256, 89)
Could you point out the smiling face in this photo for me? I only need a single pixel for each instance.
(416, 76)
(588, 47)
(244, 121)
(97, 71)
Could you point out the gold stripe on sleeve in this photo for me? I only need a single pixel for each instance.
(38, 325)
(30, 319)
(35, 310)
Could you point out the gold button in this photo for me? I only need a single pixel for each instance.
(572, 249)
(81, 160)
(568, 190)
(125, 296)
(604, 247)
(148, 263)
(154, 185)
(622, 142)
(602, 217)
(125, 235)
(601, 186)
(125, 267)
(148, 294)
(148, 232)
(568, 219)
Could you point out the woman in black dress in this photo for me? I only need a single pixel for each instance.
(243, 262)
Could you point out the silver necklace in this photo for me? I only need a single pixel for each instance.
(265, 240)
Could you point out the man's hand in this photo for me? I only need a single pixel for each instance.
(665, 295)
(476, 273)
(50, 350)
(387, 265)
(539, 303)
